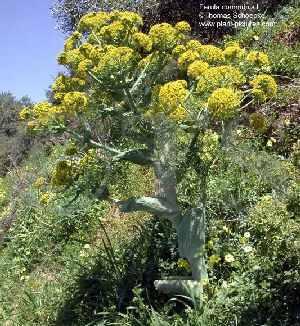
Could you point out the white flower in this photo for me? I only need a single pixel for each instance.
(247, 235)
(248, 249)
(229, 258)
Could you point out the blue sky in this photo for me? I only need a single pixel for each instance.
(28, 48)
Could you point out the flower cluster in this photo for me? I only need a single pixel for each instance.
(210, 142)
(221, 76)
(186, 58)
(259, 122)
(74, 102)
(264, 87)
(165, 37)
(142, 41)
(196, 68)
(93, 21)
(184, 264)
(61, 174)
(116, 64)
(223, 100)
(233, 51)
(171, 97)
(259, 59)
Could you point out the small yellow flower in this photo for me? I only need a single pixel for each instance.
(40, 182)
(214, 259)
(242, 240)
(210, 244)
(184, 264)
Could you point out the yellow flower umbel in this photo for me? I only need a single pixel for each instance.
(116, 63)
(222, 76)
(214, 259)
(164, 37)
(183, 27)
(178, 50)
(186, 58)
(264, 87)
(211, 54)
(171, 96)
(61, 174)
(210, 143)
(223, 100)
(259, 59)
(184, 264)
(25, 113)
(233, 51)
(72, 41)
(197, 68)
(39, 182)
(65, 84)
(92, 21)
(142, 41)
(74, 102)
(259, 122)
(194, 45)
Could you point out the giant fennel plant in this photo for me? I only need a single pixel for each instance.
(174, 98)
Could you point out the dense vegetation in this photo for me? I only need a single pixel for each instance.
(71, 256)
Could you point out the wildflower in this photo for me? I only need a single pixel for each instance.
(204, 281)
(171, 96)
(223, 100)
(229, 258)
(39, 182)
(116, 62)
(83, 67)
(74, 102)
(259, 122)
(61, 174)
(211, 54)
(92, 21)
(194, 45)
(184, 264)
(233, 52)
(142, 41)
(258, 58)
(25, 113)
(183, 27)
(164, 36)
(214, 259)
(72, 41)
(226, 229)
(186, 58)
(247, 235)
(178, 50)
(216, 77)
(248, 249)
(264, 87)
(210, 142)
(231, 44)
(114, 33)
(196, 68)
(242, 240)
(210, 244)
(128, 18)
(44, 198)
